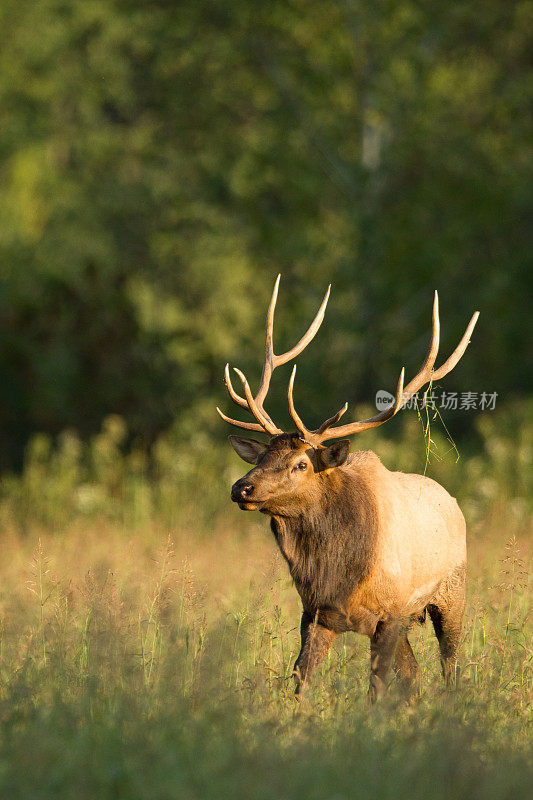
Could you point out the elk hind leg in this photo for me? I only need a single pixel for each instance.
(382, 648)
(447, 618)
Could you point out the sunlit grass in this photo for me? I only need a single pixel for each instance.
(148, 631)
(138, 665)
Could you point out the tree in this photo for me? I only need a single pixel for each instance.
(162, 162)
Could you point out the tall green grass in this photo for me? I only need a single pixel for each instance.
(129, 671)
(186, 481)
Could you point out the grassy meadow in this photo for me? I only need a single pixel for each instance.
(146, 652)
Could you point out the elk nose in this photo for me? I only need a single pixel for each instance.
(240, 491)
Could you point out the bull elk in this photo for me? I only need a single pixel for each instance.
(369, 550)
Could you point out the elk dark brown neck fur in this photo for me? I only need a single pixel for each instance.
(330, 544)
(369, 550)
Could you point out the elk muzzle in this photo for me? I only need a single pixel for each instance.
(242, 492)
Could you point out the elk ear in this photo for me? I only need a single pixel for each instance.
(336, 454)
(248, 449)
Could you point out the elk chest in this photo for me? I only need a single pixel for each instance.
(329, 556)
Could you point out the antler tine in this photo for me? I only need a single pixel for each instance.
(373, 422)
(424, 374)
(231, 391)
(271, 359)
(402, 395)
(269, 343)
(308, 435)
(332, 420)
(247, 426)
(450, 363)
(268, 365)
(292, 410)
(398, 402)
(308, 335)
(256, 410)
(255, 404)
(240, 400)
(326, 429)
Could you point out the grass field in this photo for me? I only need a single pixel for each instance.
(138, 664)
(148, 630)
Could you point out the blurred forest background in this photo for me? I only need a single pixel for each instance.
(162, 162)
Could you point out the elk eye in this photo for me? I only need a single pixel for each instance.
(300, 465)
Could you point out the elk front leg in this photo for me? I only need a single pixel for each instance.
(316, 641)
(405, 664)
(382, 647)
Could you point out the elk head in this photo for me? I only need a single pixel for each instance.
(287, 469)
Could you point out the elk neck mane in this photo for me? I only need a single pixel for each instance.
(330, 543)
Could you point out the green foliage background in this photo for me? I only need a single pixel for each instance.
(161, 162)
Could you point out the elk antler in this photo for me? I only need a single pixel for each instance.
(326, 431)
(255, 404)
(425, 375)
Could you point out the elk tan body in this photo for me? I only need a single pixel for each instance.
(421, 548)
(369, 550)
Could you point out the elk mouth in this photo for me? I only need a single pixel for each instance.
(250, 505)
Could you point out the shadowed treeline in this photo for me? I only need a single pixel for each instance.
(162, 162)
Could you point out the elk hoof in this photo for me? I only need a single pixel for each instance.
(376, 689)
